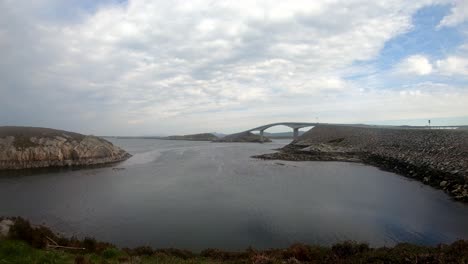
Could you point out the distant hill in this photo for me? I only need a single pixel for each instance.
(194, 137)
(243, 137)
(219, 135)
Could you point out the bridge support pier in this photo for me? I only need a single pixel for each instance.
(296, 133)
(261, 136)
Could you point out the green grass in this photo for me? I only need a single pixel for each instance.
(22, 142)
(18, 252)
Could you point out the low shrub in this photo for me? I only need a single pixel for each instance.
(349, 248)
(179, 253)
(90, 244)
(221, 255)
(110, 253)
(143, 251)
(303, 252)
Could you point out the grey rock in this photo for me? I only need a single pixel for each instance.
(25, 147)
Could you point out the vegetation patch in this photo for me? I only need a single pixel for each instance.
(38, 132)
(29, 244)
(23, 142)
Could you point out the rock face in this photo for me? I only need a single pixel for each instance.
(438, 157)
(29, 147)
(194, 137)
(243, 137)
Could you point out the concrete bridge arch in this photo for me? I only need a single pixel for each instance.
(294, 125)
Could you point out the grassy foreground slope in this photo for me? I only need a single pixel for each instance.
(19, 252)
(28, 244)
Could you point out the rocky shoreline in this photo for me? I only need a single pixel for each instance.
(30, 147)
(438, 158)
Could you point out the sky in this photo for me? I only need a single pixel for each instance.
(142, 67)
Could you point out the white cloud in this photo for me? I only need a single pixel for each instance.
(157, 64)
(453, 65)
(458, 14)
(419, 65)
(414, 64)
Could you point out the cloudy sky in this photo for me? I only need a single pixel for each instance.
(142, 67)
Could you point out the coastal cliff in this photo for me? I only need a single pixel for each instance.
(437, 157)
(31, 147)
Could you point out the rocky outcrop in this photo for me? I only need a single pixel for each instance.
(438, 157)
(28, 147)
(243, 137)
(194, 137)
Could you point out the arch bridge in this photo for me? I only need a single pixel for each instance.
(294, 125)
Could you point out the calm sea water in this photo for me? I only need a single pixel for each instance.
(197, 195)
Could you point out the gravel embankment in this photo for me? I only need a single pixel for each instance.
(436, 157)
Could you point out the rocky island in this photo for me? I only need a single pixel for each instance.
(32, 147)
(243, 137)
(194, 137)
(437, 157)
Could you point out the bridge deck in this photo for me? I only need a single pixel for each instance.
(292, 125)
